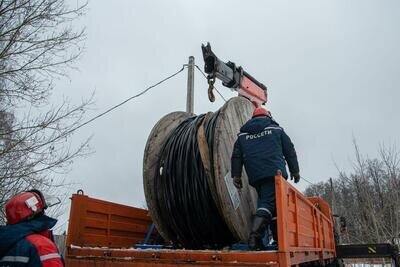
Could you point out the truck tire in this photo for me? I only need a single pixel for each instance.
(336, 263)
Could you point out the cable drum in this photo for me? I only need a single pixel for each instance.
(187, 181)
(183, 194)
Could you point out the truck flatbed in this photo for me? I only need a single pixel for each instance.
(102, 233)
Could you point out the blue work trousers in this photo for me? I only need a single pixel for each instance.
(266, 197)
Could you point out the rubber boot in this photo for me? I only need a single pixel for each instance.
(257, 232)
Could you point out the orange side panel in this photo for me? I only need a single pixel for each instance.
(99, 223)
(135, 257)
(305, 230)
(321, 204)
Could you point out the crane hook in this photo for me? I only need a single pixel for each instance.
(211, 95)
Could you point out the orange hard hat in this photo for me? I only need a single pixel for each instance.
(24, 206)
(260, 111)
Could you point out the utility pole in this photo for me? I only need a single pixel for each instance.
(332, 196)
(190, 86)
(333, 205)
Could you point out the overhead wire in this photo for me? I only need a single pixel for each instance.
(126, 100)
(137, 95)
(66, 133)
(311, 183)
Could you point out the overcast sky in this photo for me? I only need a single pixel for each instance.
(331, 67)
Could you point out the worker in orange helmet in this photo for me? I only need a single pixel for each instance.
(263, 147)
(27, 240)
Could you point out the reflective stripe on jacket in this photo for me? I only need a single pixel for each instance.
(25, 244)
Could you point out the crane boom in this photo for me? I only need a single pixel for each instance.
(232, 77)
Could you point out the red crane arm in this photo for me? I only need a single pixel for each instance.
(233, 77)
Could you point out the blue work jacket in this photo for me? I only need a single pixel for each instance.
(263, 147)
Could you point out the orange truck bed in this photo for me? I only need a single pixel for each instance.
(102, 233)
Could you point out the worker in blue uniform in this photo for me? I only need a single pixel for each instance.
(263, 147)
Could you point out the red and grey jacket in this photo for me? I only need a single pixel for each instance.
(29, 244)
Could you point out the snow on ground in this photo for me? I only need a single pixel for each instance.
(368, 263)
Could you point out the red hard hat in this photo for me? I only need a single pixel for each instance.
(260, 111)
(24, 206)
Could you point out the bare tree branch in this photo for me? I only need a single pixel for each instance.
(368, 197)
(38, 43)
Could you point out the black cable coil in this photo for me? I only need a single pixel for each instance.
(183, 194)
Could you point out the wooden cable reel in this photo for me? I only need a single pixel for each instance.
(235, 206)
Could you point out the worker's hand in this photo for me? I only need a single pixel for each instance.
(295, 177)
(237, 182)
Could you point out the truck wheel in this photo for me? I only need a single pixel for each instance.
(336, 263)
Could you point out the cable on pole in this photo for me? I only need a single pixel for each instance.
(127, 100)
